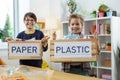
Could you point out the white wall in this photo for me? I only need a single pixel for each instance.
(90, 5)
(41, 8)
(23, 8)
(46, 8)
(116, 44)
(55, 8)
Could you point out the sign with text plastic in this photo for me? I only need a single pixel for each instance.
(80, 50)
(25, 49)
(72, 49)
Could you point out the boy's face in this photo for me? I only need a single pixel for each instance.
(76, 26)
(29, 23)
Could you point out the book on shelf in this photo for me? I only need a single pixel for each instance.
(103, 28)
(107, 28)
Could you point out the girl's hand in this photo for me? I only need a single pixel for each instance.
(54, 36)
(45, 41)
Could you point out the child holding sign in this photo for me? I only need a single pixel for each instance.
(76, 26)
(30, 33)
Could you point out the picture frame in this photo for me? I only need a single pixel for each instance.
(40, 25)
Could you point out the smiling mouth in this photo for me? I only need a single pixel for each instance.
(75, 29)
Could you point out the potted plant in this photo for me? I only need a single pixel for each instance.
(72, 6)
(103, 8)
(109, 46)
(93, 14)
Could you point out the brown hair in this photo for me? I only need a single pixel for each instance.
(30, 14)
(76, 16)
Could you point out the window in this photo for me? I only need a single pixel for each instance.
(11, 14)
(6, 21)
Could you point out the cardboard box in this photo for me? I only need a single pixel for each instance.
(107, 63)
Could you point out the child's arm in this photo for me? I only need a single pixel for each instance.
(45, 41)
(97, 42)
(10, 39)
(54, 36)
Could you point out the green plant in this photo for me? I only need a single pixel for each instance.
(116, 59)
(103, 8)
(7, 26)
(1, 34)
(7, 30)
(94, 12)
(72, 6)
(108, 44)
(118, 51)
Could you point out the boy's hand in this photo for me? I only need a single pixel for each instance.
(54, 36)
(17, 39)
(95, 35)
(8, 39)
(97, 42)
(45, 41)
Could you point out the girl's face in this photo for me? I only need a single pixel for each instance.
(29, 23)
(76, 26)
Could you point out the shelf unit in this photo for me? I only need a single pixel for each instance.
(105, 26)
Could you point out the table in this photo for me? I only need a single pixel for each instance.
(21, 72)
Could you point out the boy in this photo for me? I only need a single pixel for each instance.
(76, 26)
(30, 33)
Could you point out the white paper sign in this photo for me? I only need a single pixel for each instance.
(24, 49)
(72, 49)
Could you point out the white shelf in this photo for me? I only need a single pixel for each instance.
(101, 67)
(103, 51)
(108, 68)
(103, 18)
(64, 22)
(100, 35)
(93, 66)
(93, 19)
(90, 19)
(103, 38)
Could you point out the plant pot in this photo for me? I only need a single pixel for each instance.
(93, 29)
(109, 14)
(93, 15)
(109, 48)
(101, 14)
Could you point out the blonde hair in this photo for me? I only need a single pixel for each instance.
(76, 16)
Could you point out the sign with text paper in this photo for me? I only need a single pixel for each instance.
(24, 49)
(80, 50)
(72, 49)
